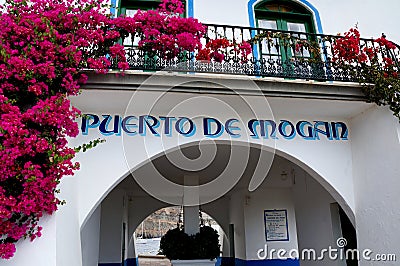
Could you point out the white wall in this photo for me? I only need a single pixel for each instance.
(41, 252)
(111, 228)
(236, 215)
(219, 211)
(373, 17)
(255, 204)
(68, 242)
(376, 165)
(313, 217)
(376, 157)
(110, 165)
(103, 167)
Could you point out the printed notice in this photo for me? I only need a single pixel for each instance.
(276, 225)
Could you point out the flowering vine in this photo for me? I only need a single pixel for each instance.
(374, 63)
(219, 49)
(44, 45)
(163, 32)
(376, 67)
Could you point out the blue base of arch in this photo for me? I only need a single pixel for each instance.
(128, 262)
(224, 261)
(132, 262)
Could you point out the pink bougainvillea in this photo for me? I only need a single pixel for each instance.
(220, 48)
(349, 50)
(163, 31)
(373, 62)
(44, 45)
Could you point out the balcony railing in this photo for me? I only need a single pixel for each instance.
(284, 54)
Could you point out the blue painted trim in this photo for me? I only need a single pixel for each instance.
(287, 262)
(226, 261)
(110, 264)
(112, 9)
(239, 262)
(252, 23)
(250, 10)
(132, 262)
(252, 19)
(316, 14)
(190, 9)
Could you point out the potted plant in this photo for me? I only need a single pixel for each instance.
(199, 249)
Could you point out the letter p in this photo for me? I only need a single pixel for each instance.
(89, 121)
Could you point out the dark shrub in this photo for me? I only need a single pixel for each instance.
(177, 245)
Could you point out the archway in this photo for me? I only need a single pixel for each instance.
(286, 173)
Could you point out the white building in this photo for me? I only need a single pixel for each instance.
(301, 156)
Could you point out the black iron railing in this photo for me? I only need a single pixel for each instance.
(284, 54)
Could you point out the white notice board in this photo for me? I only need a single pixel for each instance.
(276, 225)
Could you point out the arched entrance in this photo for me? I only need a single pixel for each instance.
(289, 185)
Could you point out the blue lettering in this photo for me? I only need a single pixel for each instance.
(264, 129)
(130, 129)
(85, 123)
(151, 122)
(310, 135)
(335, 131)
(207, 126)
(326, 131)
(230, 128)
(252, 125)
(168, 124)
(282, 129)
(103, 128)
(179, 126)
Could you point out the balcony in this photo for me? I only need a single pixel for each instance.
(283, 54)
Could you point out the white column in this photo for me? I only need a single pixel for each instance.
(191, 201)
(90, 235)
(111, 228)
(132, 224)
(376, 151)
(236, 215)
(68, 237)
(131, 257)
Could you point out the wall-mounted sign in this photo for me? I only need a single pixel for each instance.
(210, 127)
(276, 225)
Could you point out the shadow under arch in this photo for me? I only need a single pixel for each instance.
(312, 172)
